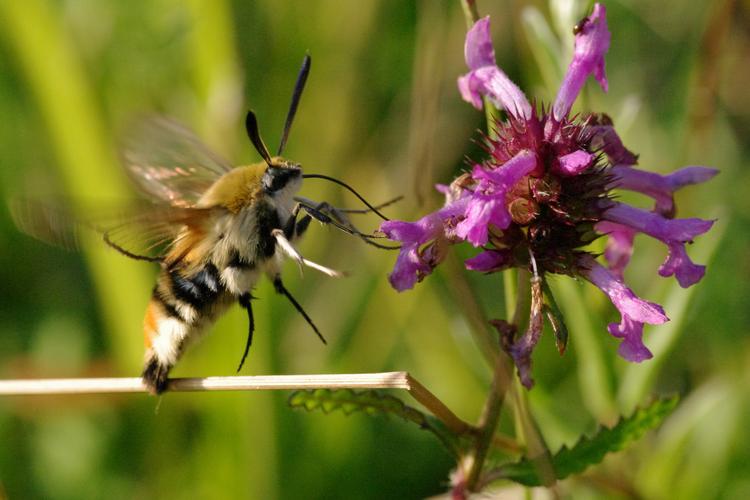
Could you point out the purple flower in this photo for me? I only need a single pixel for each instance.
(679, 264)
(489, 261)
(574, 163)
(592, 42)
(485, 78)
(622, 297)
(487, 205)
(545, 192)
(634, 311)
(619, 247)
(605, 138)
(415, 262)
(674, 233)
(631, 333)
(660, 187)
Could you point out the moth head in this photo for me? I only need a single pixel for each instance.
(282, 177)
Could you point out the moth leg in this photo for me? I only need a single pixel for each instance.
(302, 225)
(325, 213)
(286, 247)
(279, 286)
(245, 299)
(294, 228)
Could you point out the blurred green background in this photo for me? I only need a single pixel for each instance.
(380, 111)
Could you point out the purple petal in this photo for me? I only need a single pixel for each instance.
(574, 163)
(621, 296)
(485, 78)
(619, 246)
(592, 42)
(478, 49)
(489, 261)
(679, 264)
(655, 225)
(471, 89)
(660, 187)
(486, 206)
(509, 173)
(605, 137)
(631, 347)
(409, 269)
(417, 232)
(483, 211)
(411, 265)
(490, 81)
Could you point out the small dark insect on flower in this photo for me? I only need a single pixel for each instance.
(216, 230)
(546, 191)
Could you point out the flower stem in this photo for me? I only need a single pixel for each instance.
(501, 381)
(471, 14)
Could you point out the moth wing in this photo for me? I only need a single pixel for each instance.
(169, 164)
(144, 232)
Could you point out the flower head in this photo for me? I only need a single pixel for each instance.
(545, 192)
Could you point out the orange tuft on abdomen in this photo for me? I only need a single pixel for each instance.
(149, 323)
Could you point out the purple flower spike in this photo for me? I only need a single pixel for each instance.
(574, 163)
(489, 261)
(657, 226)
(622, 297)
(619, 246)
(631, 332)
(485, 78)
(679, 264)
(544, 193)
(592, 42)
(660, 187)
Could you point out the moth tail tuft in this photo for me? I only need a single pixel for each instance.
(155, 375)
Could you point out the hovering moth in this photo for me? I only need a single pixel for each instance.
(219, 229)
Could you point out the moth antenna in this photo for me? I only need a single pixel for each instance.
(251, 125)
(348, 187)
(296, 96)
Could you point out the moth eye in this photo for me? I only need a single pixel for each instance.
(276, 178)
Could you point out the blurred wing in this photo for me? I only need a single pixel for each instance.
(144, 232)
(169, 163)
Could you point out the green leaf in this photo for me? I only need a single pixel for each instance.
(591, 450)
(375, 403)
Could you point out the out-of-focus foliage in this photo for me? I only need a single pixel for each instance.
(381, 111)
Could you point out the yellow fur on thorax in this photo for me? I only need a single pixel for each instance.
(237, 189)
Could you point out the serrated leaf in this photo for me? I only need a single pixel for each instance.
(591, 450)
(349, 401)
(374, 403)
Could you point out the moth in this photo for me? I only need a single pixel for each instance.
(219, 228)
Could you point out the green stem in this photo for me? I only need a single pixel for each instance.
(470, 12)
(501, 381)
